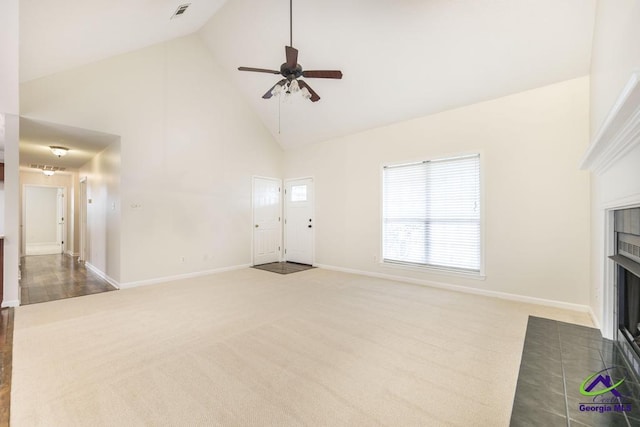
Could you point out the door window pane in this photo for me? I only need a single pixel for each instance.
(298, 193)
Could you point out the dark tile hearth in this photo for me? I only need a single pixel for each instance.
(556, 358)
(283, 267)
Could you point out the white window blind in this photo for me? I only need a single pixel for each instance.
(431, 213)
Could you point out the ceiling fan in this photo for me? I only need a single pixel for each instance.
(292, 71)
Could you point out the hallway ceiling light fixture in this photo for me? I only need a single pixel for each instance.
(59, 151)
(48, 170)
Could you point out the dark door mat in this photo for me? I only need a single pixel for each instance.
(283, 267)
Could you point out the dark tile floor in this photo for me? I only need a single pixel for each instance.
(556, 359)
(52, 277)
(283, 267)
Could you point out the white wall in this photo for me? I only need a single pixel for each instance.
(189, 146)
(615, 56)
(103, 211)
(9, 56)
(9, 136)
(536, 199)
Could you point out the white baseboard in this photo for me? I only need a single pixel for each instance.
(102, 275)
(484, 292)
(594, 319)
(165, 279)
(10, 303)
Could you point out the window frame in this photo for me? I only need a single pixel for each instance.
(440, 270)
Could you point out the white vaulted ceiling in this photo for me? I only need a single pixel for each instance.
(400, 59)
(57, 35)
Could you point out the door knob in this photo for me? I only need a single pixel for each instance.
(257, 226)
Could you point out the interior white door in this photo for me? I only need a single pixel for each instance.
(83, 220)
(267, 229)
(61, 219)
(299, 221)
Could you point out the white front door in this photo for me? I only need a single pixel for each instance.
(299, 221)
(267, 230)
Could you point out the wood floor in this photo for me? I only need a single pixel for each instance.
(6, 353)
(54, 277)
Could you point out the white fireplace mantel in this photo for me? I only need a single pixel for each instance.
(620, 132)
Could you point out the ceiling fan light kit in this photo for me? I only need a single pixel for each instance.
(292, 71)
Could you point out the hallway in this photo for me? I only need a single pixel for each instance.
(52, 277)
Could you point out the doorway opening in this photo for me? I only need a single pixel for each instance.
(49, 270)
(49, 265)
(43, 220)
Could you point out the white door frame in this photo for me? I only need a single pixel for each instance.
(313, 212)
(62, 211)
(253, 219)
(63, 231)
(82, 187)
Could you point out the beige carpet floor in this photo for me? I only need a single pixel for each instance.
(253, 348)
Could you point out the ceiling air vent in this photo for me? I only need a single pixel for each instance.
(180, 10)
(46, 167)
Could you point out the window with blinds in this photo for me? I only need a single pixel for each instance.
(431, 213)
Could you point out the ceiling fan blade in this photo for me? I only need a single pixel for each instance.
(258, 70)
(323, 74)
(292, 56)
(268, 94)
(314, 96)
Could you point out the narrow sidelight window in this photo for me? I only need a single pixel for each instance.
(431, 213)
